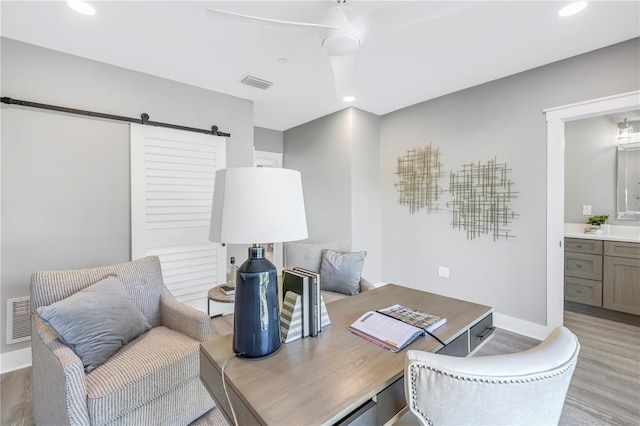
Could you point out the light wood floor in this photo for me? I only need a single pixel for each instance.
(605, 389)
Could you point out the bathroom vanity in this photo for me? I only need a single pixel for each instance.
(603, 270)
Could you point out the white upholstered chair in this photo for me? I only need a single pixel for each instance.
(526, 388)
(152, 380)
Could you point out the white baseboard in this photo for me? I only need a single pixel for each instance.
(10, 361)
(516, 325)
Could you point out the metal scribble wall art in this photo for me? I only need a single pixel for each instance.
(482, 194)
(419, 173)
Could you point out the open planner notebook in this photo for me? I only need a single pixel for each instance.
(395, 327)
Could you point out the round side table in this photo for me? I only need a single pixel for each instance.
(217, 295)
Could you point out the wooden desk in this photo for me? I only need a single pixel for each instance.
(325, 379)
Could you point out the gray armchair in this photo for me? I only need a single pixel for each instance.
(526, 388)
(154, 379)
(309, 256)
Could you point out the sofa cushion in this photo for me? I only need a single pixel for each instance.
(96, 322)
(340, 272)
(308, 255)
(155, 363)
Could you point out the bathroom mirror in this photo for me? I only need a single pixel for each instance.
(628, 193)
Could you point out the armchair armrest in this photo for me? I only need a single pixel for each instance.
(365, 285)
(184, 319)
(59, 389)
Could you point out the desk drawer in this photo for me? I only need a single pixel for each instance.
(365, 415)
(579, 265)
(391, 401)
(576, 245)
(480, 332)
(458, 346)
(584, 291)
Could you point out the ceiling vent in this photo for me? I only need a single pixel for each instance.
(259, 83)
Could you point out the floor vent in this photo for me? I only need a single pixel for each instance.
(18, 320)
(259, 83)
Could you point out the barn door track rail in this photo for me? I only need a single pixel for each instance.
(144, 117)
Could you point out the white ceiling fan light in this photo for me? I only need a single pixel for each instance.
(341, 43)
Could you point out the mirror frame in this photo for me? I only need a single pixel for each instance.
(623, 212)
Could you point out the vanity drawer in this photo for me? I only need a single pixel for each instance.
(616, 248)
(584, 291)
(579, 265)
(577, 245)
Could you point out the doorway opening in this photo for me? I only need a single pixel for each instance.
(556, 118)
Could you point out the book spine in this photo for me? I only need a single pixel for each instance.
(306, 320)
(313, 308)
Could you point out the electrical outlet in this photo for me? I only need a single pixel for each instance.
(443, 271)
(586, 210)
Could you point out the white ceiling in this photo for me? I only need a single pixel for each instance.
(411, 51)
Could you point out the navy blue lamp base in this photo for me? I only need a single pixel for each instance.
(256, 323)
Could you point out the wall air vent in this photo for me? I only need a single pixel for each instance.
(18, 320)
(259, 83)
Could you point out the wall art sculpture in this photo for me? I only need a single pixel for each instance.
(481, 199)
(419, 172)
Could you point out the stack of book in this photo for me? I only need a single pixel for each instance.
(313, 314)
(228, 290)
(395, 327)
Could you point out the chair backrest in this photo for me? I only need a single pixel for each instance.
(309, 255)
(522, 388)
(142, 278)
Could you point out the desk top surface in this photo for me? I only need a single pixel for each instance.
(322, 379)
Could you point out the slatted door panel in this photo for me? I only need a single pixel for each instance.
(172, 180)
(188, 271)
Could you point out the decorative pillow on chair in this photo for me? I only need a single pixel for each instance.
(96, 321)
(340, 272)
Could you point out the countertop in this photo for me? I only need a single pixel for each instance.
(617, 233)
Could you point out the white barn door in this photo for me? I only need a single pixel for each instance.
(172, 179)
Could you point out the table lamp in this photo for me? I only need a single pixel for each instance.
(254, 205)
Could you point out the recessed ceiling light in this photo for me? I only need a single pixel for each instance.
(572, 8)
(81, 7)
(349, 98)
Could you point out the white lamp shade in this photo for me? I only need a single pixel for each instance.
(253, 205)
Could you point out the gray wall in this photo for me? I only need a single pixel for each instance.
(500, 119)
(338, 157)
(65, 179)
(365, 190)
(590, 150)
(321, 151)
(268, 140)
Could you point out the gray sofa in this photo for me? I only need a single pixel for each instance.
(309, 256)
(154, 379)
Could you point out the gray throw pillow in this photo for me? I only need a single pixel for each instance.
(340, 272)
(96, 322)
